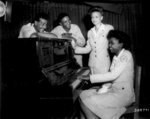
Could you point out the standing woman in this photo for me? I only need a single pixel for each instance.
(97, 43)
(112, 103)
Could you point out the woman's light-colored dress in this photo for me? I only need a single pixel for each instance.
(97, 46)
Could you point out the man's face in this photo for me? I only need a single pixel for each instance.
(66, 23)
(41, 25)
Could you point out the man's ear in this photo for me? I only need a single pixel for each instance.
(101, 18)
(35, 22)
(121, 45)
(60, 23)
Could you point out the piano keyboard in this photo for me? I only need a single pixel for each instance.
(77, 81)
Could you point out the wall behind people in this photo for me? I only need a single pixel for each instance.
(128, 19)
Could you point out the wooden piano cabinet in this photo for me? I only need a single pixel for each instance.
(59, 67)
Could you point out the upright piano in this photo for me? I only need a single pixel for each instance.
(39, 76)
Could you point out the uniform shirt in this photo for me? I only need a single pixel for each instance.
(26, 30)
(97, 45)
(121, 72)
(113, 102)
(76, 33)
(118, 65)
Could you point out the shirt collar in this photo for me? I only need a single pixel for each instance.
(102, 27)
(116, 57)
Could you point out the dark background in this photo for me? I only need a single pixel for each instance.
(130, 16)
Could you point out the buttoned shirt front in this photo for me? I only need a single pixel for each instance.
(97, 45)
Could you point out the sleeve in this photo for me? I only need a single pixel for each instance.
(112, 75)
(47, 35)
(21, 33)
(86, 49)
(26, 31)
(57, 31)
(79, 36)
(111, 27)
(83, 50)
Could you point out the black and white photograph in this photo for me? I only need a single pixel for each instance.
(81, 59)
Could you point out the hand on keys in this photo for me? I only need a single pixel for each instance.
(84, 77)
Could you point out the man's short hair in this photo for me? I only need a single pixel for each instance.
(40, 15)
(61, 16)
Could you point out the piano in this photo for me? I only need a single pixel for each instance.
(40, 77)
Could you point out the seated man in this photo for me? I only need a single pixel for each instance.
(70, 31)
(36, 28)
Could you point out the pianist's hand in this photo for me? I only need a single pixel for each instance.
(84, 77)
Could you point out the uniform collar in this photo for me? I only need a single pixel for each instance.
(102, 27)
(121, 52)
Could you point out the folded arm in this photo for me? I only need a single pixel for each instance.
(44, 35)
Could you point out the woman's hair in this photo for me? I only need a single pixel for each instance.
(121, 36)
(96, 9)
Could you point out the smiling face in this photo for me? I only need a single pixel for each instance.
(66, 23)
(96, 17)
(41, 25)
(114, 45)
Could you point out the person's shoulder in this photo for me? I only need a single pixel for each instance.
(27, 26)
(90, 30)
(109, 26)
(75, 26)
(126, 55)
(127, 52)
(57, 27)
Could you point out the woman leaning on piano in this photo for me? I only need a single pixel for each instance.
(110, 102)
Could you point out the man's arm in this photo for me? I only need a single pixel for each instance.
(47, 35)
(57, 31)
(43, 35)
(78, 37)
